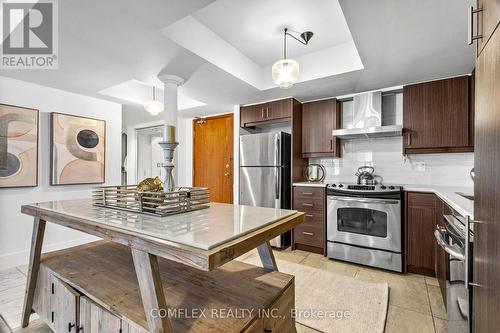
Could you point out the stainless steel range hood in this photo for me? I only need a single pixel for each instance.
(367, 119)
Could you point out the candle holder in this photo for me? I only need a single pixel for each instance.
(168, 164)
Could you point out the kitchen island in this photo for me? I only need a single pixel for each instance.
(160, 274)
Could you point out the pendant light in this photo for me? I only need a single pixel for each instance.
(154, 107)
(285, 72)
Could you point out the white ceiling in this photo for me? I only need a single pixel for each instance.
(255, 27)
(104, 44)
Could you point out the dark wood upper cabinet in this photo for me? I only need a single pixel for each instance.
(270, 112)
(421, 213)
(437, 117)
(487, 21)
(319, 119)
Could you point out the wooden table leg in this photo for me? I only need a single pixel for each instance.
(267, 256)
(33, 267)
(153, 299)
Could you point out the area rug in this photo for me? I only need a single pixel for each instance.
(330, 302)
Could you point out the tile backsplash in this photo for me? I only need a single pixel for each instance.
(386, 156)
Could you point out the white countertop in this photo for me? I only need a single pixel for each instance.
(312, 184)
(203, 229)
(448, 194)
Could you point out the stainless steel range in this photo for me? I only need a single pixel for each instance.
(364, 224)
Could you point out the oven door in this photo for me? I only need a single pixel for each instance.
(368, 222)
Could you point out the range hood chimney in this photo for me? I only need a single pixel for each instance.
(367, 119)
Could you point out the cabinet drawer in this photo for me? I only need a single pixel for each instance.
(313, 219)
(309, 235)
(421, 199)
(309, 205)
(308, 192)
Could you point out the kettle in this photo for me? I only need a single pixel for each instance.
(365, 175)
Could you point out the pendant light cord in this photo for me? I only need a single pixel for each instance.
(284, 43)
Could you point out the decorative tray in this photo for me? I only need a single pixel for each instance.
(129, 198)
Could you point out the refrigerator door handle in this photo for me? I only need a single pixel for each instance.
(278, 186)
(277, 149)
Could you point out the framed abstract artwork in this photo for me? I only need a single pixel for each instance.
(78, 150)
(18, 146)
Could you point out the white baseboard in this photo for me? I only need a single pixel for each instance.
(20, 258)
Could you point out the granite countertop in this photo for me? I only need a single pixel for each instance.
(448, 194)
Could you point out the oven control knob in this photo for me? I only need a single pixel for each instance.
(340, 185)
(383, 187)
(334, 185)
(391, 187)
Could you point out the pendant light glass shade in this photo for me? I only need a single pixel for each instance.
(285, 73)
(154, 107)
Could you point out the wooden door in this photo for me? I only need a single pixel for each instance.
(319, 119)
(213, 156)
(421, 215)
(486, 268)
(437, 116)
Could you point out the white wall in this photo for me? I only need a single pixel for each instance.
(16, 228)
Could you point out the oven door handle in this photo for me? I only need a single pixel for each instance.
(450, 249)
(365, 200)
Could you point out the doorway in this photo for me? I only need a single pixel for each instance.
(213, 156)
(149, 153)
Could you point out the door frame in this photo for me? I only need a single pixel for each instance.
(223, 115)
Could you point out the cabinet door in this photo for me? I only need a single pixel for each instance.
(486, 270)
(487, 21)
(437, 116)
(65, 303)
(319, 119)
(250, 114)
(95, 319)
(420, 242)
(278, 109)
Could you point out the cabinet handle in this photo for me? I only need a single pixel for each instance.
(308, 233)
(262, 113)
(309, 215)
(408, 139)
(70, 326)
(331, 144)
(267, 112)
(52, 316)
(470, 25)
(307, 193)
(307, 204)
(79, 329)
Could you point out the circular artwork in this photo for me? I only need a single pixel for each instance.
(87, 138)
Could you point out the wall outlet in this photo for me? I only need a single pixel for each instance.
(420, 166)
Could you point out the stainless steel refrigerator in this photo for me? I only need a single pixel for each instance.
(265, 174)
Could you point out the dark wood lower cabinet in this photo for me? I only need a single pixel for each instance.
(310, 235)
(421, 214)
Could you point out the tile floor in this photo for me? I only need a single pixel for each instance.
(415, 302)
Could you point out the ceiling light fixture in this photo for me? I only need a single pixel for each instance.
(154, 107)
(286, 72)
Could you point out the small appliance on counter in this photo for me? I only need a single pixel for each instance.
(364, 224)
(315, 173)
(265, 174)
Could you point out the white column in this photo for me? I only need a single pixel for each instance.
(171, 84)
